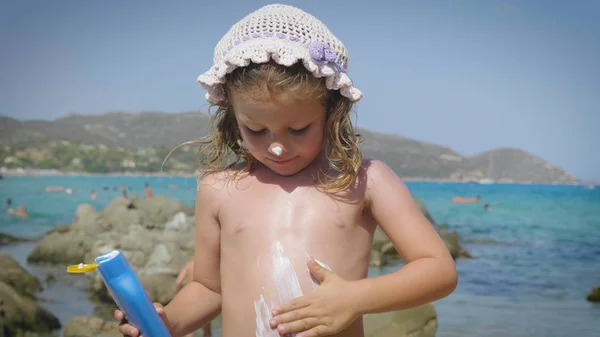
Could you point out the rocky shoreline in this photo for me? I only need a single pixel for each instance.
(20, 308)
(154, 234)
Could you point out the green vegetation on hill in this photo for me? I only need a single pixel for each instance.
(78, 157)
(139, 142)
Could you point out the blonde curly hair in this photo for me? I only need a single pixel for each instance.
(222, 148)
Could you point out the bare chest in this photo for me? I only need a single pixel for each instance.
(269, 212)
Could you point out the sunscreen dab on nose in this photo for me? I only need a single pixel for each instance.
(277, 150)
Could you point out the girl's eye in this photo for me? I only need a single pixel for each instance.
(299, 131)
(255, 132)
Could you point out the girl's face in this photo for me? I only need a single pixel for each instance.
(283, 133)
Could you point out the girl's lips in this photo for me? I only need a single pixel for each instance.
(282, 162)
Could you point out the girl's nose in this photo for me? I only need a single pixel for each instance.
(276, 149)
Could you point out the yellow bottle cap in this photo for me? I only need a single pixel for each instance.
(82, 268)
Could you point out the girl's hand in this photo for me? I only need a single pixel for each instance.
(129, 330)
(185, 275)
(326, 311)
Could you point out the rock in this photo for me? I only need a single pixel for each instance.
(68, 244)
(91, 327)
(179, 223)
(160, 288)
(416, 322)
(166, 258)
(50, 278)
(383, 251)
(60, 229)
(119, 215)
(87, 220)
(158, 210)
(594, 295)
(388, 248)
(61, 247)
(104, 310)
(452, 242)
(14, 275)
(7, 239)
(137, 245)
(124, 224)
(20, 312)
(375, 260)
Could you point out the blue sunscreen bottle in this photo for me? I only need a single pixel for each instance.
(127, 291)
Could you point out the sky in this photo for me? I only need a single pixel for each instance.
(468, 74)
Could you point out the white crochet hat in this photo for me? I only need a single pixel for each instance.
(284, 34)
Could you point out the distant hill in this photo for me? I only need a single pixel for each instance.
(115, 129)
(507, 163)
(122, 141)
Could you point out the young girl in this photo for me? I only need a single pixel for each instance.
(287, 207)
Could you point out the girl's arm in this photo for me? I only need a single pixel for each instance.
(429, 273)
(199, 302)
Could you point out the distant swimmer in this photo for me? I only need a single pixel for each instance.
(20, 211)
(460, 200)
(51, 189)
(55, 189)
(93, 195)
(147, 191)
(486, 207)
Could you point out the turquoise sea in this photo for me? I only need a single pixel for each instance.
(536, 252)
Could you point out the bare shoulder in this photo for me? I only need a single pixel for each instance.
(379, 179)
(219, 180)
(214, 180)
(376, 171)
(217, 184)
(211, 189)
